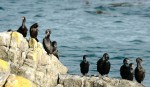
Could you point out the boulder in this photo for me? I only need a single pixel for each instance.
(93, 81)
(4, 71)
(18, 81)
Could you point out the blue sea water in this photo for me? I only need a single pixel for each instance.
(121, 31)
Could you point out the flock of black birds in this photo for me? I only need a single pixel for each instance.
(49, 46)
(126, 70)
(103, 65)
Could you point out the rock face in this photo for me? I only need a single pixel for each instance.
(4, 72)
(28, 59)
(24, 63)
(78, 81)
(18, 81)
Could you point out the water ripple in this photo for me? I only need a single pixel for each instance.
(69, 9)
(137, 41)
(38, 15)
(24, 12)
(118, 21)
(1, 8)
(86, 38)
(118, 57)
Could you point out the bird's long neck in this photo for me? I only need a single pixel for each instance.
(23, 23)
(139, 65)
(85, 61)
(103, 58)
(48, 36)
(126, 64)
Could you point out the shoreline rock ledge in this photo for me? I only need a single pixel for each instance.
(24, 63)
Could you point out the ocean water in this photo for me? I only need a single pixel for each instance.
(121, 31)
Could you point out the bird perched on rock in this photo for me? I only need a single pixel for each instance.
(55, 50)
(131, 72)
(124, 69)
(47, 44)
(103, 65)
(139, 71)
(84, 66)
(23, 29)
(34, 31)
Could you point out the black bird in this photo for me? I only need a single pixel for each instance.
(34, 31)
(103, 65)
(124, 69)
(84, 66)
(139, 71)
(55, 50)
(9, 30)
(23, 29)
(131, 72)
(47, 44)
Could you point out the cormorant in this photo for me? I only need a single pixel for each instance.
(34, 31)
(131, 72)
(55, 51)
(124, 69)
(103, 65)
(23, 29)
(84, 66)
(139, 71)
(47, 44)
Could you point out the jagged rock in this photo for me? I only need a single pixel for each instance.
(78, 81)
(4, 71)
(18, 81)
(28, 59)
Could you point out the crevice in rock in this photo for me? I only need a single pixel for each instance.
(5, 81)
(58, 79)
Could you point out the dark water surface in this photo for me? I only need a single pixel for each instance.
(123, 30)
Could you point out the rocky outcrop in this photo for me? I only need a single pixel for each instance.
(24, 63)
(27, 59)
(4, 71)
(18, 81)
(93, 81)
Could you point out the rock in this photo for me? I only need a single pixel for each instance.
(5, 39)
(28, 59)
(18, 81)
(4, 71)
(78, 81)
(32, 43)
(59, 85)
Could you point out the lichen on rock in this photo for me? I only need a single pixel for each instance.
(4, 71)
(18, 81)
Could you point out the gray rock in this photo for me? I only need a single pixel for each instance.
(4, 71)
(78, 81)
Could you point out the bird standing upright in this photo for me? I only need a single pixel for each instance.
(131, 72)
(55, 50)
(124, 69)
(34, 31)
(84, 66)
(47, 44)
(103, 65)
(139, 71)
(23, 29)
